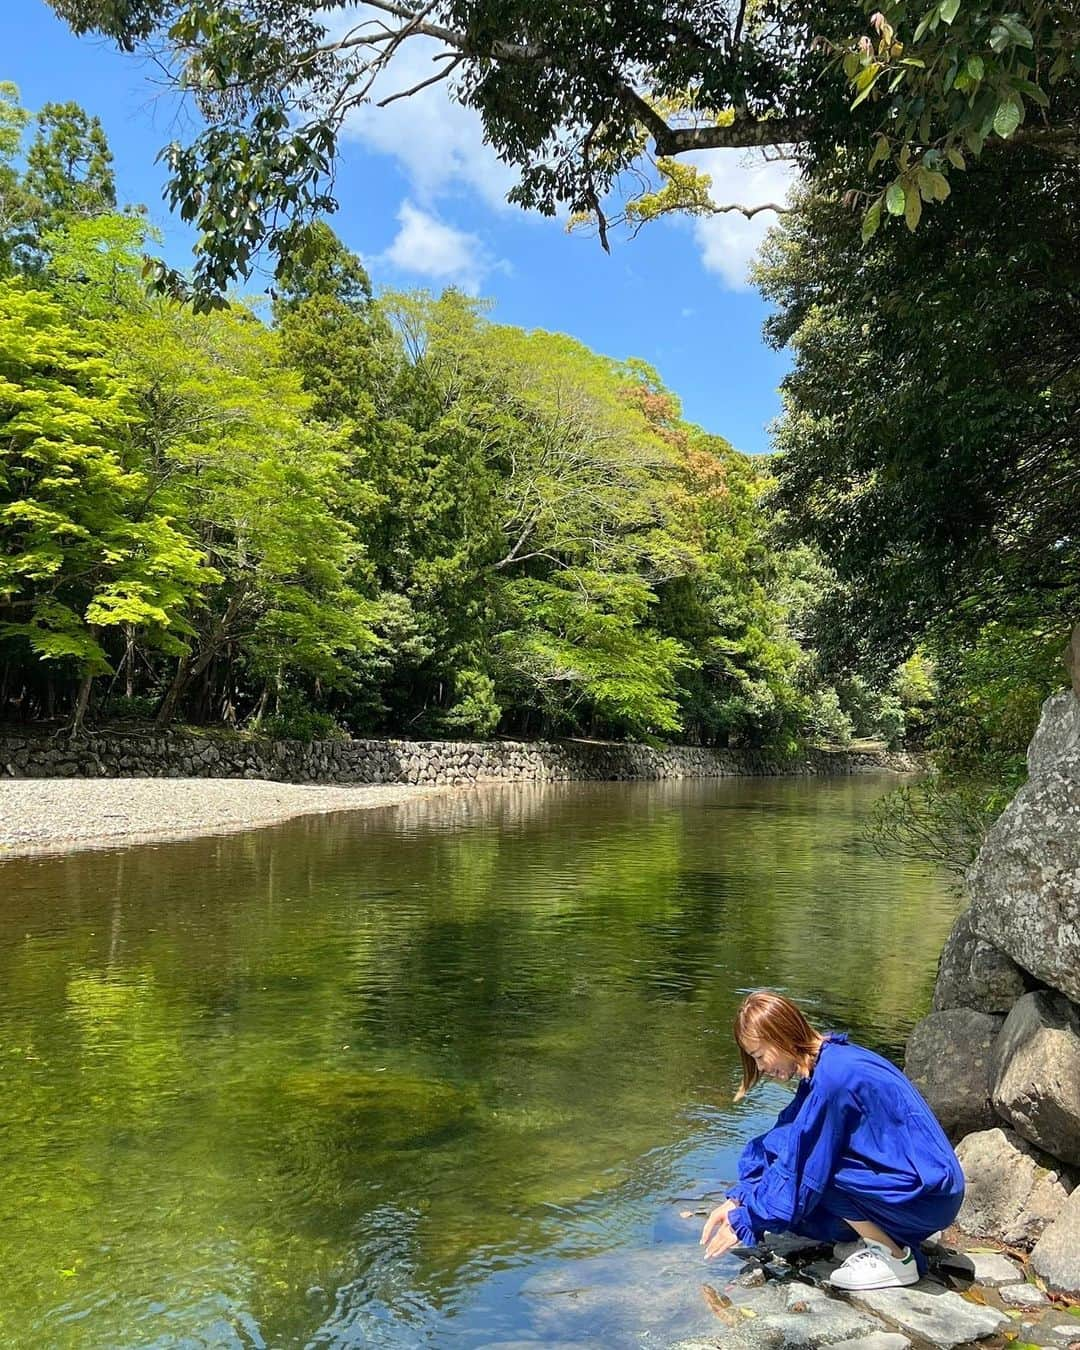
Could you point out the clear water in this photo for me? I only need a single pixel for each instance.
(442, 1075)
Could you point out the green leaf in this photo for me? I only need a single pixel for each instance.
(881, 151)
(933, 186)
(956, 159)
(948, 10)
(895, 199)
(1019, 34)
(913, 210)
(1007, 118)
(1033, 92)
(975, 67)
(871, 221)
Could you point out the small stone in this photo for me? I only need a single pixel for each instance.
(992, 1268)
(1022, 1296)
(752, 1276)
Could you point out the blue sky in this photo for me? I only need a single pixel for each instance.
(421, 202)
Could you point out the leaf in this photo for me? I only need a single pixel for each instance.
(881, 151)
(975, 67)
(1033, 92)
(948, 10)
(1019, 34)
(895, 199)
(956, 159)
(1007, 118)
(913, 210)
(867, 89)
(935, 184)
(871, 222)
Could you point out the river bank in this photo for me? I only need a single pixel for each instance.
(40, 816)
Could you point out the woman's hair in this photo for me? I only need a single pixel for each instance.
(776, 1021)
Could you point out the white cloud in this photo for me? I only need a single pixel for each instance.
(439, 144)
(428, 247)
(728, 242)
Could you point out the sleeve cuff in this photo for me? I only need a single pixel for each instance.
(742, 1227)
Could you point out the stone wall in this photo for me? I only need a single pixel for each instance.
(999, 1058)
(186, 755)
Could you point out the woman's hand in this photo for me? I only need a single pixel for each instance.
(718, 1236)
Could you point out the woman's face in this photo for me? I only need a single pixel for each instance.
(771, 1062)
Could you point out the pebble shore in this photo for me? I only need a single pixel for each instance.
(57, 815)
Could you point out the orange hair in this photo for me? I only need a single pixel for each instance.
(774, 1020)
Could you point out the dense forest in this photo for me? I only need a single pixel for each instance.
(334, 513)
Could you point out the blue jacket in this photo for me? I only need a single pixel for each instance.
(857, 1132)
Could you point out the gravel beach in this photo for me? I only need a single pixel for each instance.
(57, 815)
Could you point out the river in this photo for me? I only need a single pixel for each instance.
(450, 1074)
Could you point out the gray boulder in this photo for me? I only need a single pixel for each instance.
(1057, 739)
(933, 1314)
(1025, 883)
(1035, 1073)
(948, 1060)
(1056, 1255)
(973, 973)
(1012, 1194)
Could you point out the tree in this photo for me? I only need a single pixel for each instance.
(14, 205)
(572, 95)
(87, 546)
(261, 488)
(69, 166)
(929, 443)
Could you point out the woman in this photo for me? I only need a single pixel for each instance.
(857, 1155)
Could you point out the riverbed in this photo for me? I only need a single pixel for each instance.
(443, 1074)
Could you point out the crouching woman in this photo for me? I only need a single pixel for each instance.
(856, 1157)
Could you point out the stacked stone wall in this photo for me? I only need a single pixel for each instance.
(187, 755)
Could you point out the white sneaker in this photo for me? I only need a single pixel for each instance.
(842, 1250)
(874, 1267)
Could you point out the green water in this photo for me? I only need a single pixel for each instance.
(371, 1079)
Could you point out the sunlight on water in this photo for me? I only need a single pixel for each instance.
(440, 1075)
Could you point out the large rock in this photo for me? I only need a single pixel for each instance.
(1056, 1256)
(1012, 1193)
(933, 1314)
(1035, 1073)
(973, 973)
(1025, 883)
(1057, 739)
(948, 1060)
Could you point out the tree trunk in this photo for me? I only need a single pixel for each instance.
(81, 704)
(129, 660)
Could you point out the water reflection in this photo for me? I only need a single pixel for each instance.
(372, 1079)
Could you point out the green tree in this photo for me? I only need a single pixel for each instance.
(929, 443)
(69, 165)
(16, 208)
(88, 547)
